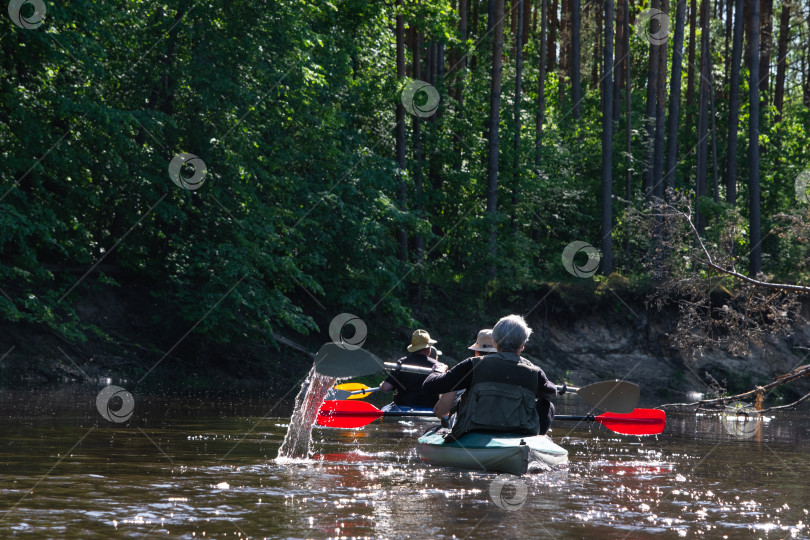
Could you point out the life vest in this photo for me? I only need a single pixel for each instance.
(502, 397)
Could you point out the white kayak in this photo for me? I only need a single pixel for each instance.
(497, 452)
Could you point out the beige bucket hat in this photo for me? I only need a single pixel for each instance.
(484, 343)
(420, 340)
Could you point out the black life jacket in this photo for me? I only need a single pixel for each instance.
(502, 397)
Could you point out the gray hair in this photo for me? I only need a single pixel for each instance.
(511, 333)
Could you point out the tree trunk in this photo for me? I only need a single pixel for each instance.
(660, 117)
(462, 61)
(518, 98)
(418, 154)
(607, 144)
(554, 25)
(675, 95)
(618, 62)
(765, 47)
(690, 67)
(628, 113)
(402, 235)
(541, 87)
(734, 104)
(714, 139)
(597, 50)
(806, 70)
(576, 92)
(703, 117)
(565, 53)
(475, 33)
(649, 115)
(494, 120)
(753, 145)
(527, 15)
(781, 59)
(728, 32)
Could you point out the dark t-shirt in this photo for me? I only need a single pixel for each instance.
(408, 386)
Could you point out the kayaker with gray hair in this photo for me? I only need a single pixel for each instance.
(505, 392)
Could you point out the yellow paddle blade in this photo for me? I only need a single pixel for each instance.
(351, 386)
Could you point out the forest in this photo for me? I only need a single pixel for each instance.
(260, 168)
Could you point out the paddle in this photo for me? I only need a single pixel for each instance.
(355, 414)
(338, 361)
(355, 390)
(613, 396)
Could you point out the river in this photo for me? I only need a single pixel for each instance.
(202, 467)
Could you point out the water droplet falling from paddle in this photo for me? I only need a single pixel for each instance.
(307, 402)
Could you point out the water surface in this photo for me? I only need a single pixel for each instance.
(206, 468)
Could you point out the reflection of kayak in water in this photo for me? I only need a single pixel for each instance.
(632, 468)
(499, 452)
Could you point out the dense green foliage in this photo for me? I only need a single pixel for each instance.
(291, 105)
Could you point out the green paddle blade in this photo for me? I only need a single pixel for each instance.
(614, 396)
(340, 360)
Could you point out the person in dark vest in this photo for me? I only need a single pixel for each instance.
(407, 386)
(484, 344)
(504, 392)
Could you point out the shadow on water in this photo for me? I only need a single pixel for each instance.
(205, 467)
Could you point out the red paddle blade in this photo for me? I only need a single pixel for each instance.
(638, 422)
(347, 414)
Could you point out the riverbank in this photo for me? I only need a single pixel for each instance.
(584, 332)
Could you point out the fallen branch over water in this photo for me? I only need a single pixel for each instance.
(758, 392)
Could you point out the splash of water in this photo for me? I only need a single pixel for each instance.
(309, 399)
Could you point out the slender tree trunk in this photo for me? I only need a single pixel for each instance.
(628, 113)
(714, 139)
(660, 117)
(597, 50)
(690, 66)
(729, 25)
(476, 33)
(628, 133)
(418, 154)
(518, 98)
(554, 25)
(527, 15)
(675, 95)
(649, 116)
(618, 63)
(734, 104)
(703, 116)
(462, 61)
(806, 70)
(781, 59)
(494, 120)
(541, 87)
(765, 47)
(565, 54)
(576, 91)
(402, 235)
(753, 146)
(607, 144)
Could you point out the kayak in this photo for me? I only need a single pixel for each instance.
(412, 411)
(496, 452)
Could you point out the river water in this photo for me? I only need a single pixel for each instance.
(198, 467)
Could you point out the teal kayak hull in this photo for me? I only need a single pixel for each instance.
(496, 452)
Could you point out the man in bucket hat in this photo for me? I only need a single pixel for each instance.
(407, 386)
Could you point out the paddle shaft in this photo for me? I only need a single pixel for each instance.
(420, 369)
(562, 417)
